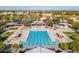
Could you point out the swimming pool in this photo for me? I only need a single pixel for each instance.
(38, 38)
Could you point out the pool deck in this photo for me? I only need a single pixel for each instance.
(13, 39)
(25, 31)
(53, 35)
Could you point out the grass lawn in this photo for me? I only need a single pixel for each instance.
(72, 35)
(10, 33)
(7, 34)
(13, 28)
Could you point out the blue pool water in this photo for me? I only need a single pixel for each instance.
(38, 38)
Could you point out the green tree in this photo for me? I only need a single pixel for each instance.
(64, 46)
(74, 45)
(26, 23)
(9, 17)
(1, 28)
(75, 25)
(15, 47)
(49, 22)
(4, 36)
(30, 21)
(70, 21)
(77, 31)
(2, 46)
(35, 16)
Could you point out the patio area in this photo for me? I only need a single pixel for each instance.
(24, 31)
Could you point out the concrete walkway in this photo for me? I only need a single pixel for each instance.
(40, 50)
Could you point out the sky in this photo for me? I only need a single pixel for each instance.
(39, 7)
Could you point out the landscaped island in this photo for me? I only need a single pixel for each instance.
(53, 31)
